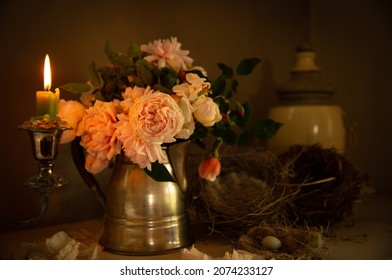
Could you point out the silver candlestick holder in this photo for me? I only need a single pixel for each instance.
(45, 138)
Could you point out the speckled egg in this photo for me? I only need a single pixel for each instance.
(271, 243)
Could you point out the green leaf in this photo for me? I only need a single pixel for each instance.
(200, 131)
(116, 58)
(199, 142)
(107, 71)
(226, 70)
(218, 86)
(244, 138)
(169, 81)
(133, 50)
(159, 173)
(93, 76)
(143, 72)
(223, 105)
(247, 65)
(229, 94)
(247, 113)
(126, 70)
(241, 114)
(161, 88)
(223, 130)
(230, 137)
(110, 52)
(137, 81)
(234, 85)
(265, 129)
(123, 60)
(236, 117)
(197, 72)
(76, 87)
(99, 96)
(110, 83)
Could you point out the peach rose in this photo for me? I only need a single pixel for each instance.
(209, 169)
(72, 112)
(99, 137)
(135, 92)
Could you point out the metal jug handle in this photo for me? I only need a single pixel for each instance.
(79, 160)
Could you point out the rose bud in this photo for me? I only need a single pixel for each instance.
(209, 169)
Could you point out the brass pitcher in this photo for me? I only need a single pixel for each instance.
(144, 216)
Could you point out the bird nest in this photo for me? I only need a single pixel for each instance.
(296, 242)
(326, 185)
(306, 187)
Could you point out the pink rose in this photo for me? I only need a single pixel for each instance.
(134, 148)
(99, 137)
(135, 92)
(167, 53)
(209, 169)
(206, 111)
(72, 112)
(131, 94)
(153, 118)
(156, 118)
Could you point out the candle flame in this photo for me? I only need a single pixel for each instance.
(47, 74)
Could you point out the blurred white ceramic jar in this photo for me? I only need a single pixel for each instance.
(306, 109)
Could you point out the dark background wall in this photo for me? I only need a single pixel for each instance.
(352, 40)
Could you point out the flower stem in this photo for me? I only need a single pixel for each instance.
(218, 144)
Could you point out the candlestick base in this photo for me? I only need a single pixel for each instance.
(46, 181)
(45, 138)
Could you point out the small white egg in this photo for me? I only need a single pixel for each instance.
(271, 243)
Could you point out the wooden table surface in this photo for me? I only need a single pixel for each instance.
(368, 238)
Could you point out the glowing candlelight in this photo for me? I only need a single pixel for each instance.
(47, 74)
(47, 102)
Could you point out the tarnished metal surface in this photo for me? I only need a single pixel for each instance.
(143, 216)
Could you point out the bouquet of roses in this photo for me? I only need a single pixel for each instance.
(153, 96)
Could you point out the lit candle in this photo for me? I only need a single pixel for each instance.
(47, 102)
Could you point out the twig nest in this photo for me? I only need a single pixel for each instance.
(306, 186)
(240, 198)
(279, 242)
(324, 183)
(271, 243)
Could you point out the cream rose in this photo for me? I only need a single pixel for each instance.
(189, 123)
(193, 87)
(206, 111)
